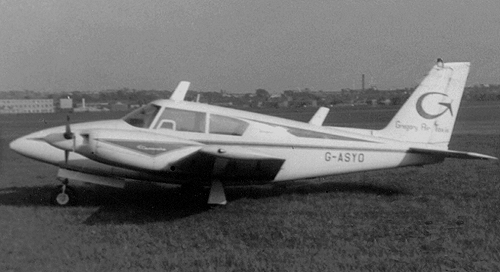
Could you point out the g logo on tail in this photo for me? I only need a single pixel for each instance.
(427, 115)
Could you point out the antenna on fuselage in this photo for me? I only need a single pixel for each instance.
(180, 91)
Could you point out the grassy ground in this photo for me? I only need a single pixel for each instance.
(441, 217)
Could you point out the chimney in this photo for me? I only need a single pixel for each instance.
(363, 82)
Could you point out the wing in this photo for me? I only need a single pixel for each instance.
(235, 164)
(151, 152)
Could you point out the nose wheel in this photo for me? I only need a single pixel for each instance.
(63, 196)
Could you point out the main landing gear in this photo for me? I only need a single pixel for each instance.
(216, 197)
(63, 195)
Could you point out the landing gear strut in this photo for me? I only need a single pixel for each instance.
(217, 195)
(63, 195)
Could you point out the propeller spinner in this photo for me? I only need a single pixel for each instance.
(56, 140)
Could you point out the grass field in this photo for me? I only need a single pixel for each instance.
(443, 217)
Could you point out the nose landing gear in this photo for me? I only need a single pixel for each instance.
(63, 195)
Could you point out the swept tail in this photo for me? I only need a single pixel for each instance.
(429, 115)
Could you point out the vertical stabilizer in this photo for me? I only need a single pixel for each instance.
(429, 115)
(180, 91)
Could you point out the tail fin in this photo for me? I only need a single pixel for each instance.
(429, 115)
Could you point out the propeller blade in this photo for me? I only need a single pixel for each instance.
(68, 134)
(66, 156)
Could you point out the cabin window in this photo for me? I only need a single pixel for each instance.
(226, 125)
(167, 124)
(182, 120)
(142, 117)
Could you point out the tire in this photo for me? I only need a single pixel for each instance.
(63, 200)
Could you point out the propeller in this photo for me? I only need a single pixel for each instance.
(66, 156)
(68, 135)
(60, 140)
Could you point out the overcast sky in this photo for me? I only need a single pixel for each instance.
(240, 46)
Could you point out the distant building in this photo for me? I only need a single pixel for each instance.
(119, 106)
(65, 103)
(10, 106)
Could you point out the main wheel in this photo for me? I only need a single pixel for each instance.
(63, 196)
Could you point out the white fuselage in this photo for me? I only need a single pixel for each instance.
(307, 150)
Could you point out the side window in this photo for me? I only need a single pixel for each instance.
(142, 117)
(227, 125)
(167, 124)
(182, 120)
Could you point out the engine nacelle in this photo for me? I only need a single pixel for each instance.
(135, 149)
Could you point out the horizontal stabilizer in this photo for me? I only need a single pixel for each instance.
(236, 152)
(319, 116)
(452, 154)
(180, 91)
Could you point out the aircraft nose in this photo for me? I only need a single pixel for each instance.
(17, 144)
(31, 145)
(22, 146)
(35, 146)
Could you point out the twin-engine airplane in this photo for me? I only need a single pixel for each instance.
(192, 144)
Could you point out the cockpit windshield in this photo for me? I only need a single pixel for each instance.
(143, 116)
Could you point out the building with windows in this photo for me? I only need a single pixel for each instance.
(11, 106)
